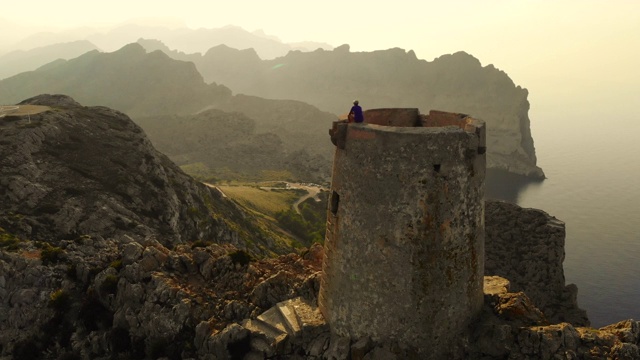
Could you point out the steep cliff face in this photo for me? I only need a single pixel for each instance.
(330, 80)
(526, 246)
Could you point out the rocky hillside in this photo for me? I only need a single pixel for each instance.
(75, 171)
(330, 80)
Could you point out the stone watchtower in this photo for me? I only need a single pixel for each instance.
(404, 250)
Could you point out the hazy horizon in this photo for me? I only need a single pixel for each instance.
(574, 58)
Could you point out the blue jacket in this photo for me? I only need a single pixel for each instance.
(357, 113)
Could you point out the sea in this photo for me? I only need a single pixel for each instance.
(592, 165)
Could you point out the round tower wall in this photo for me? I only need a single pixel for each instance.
(404, 251)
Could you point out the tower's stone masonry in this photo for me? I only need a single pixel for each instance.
(404, 251)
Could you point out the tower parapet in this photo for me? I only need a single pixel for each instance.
(404, 250)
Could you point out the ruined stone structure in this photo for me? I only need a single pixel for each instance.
(404, 251)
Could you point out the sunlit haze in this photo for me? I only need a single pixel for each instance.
(574, 56)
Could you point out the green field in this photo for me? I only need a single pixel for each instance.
(264, 201)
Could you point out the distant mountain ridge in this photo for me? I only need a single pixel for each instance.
(129, 80)
(165, 82)
(166, 96)
(330, 80)
(180, 38)
(19, 61)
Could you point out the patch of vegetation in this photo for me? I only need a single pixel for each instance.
(60, 300)
(276, 175)
(307, 231)
(199, 171)
(240, 257)
(116, 264)
(8, 241)
(50, 254)
(256, 199)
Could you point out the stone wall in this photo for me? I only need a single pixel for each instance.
(404, 248)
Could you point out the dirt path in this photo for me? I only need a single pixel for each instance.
(312, 192)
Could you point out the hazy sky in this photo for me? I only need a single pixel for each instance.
(576, 56)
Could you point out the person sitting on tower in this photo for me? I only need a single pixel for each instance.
(355, 115)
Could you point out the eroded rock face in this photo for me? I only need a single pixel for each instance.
(527, 247)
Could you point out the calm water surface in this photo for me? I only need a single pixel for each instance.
(593, 170)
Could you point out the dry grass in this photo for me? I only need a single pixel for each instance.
(264, 201)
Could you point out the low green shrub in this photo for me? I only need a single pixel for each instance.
(51, 254)
(8, 241)
(116, 264)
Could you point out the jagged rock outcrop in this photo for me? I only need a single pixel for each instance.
(527, 247)
(509, 327)
(120, 298)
